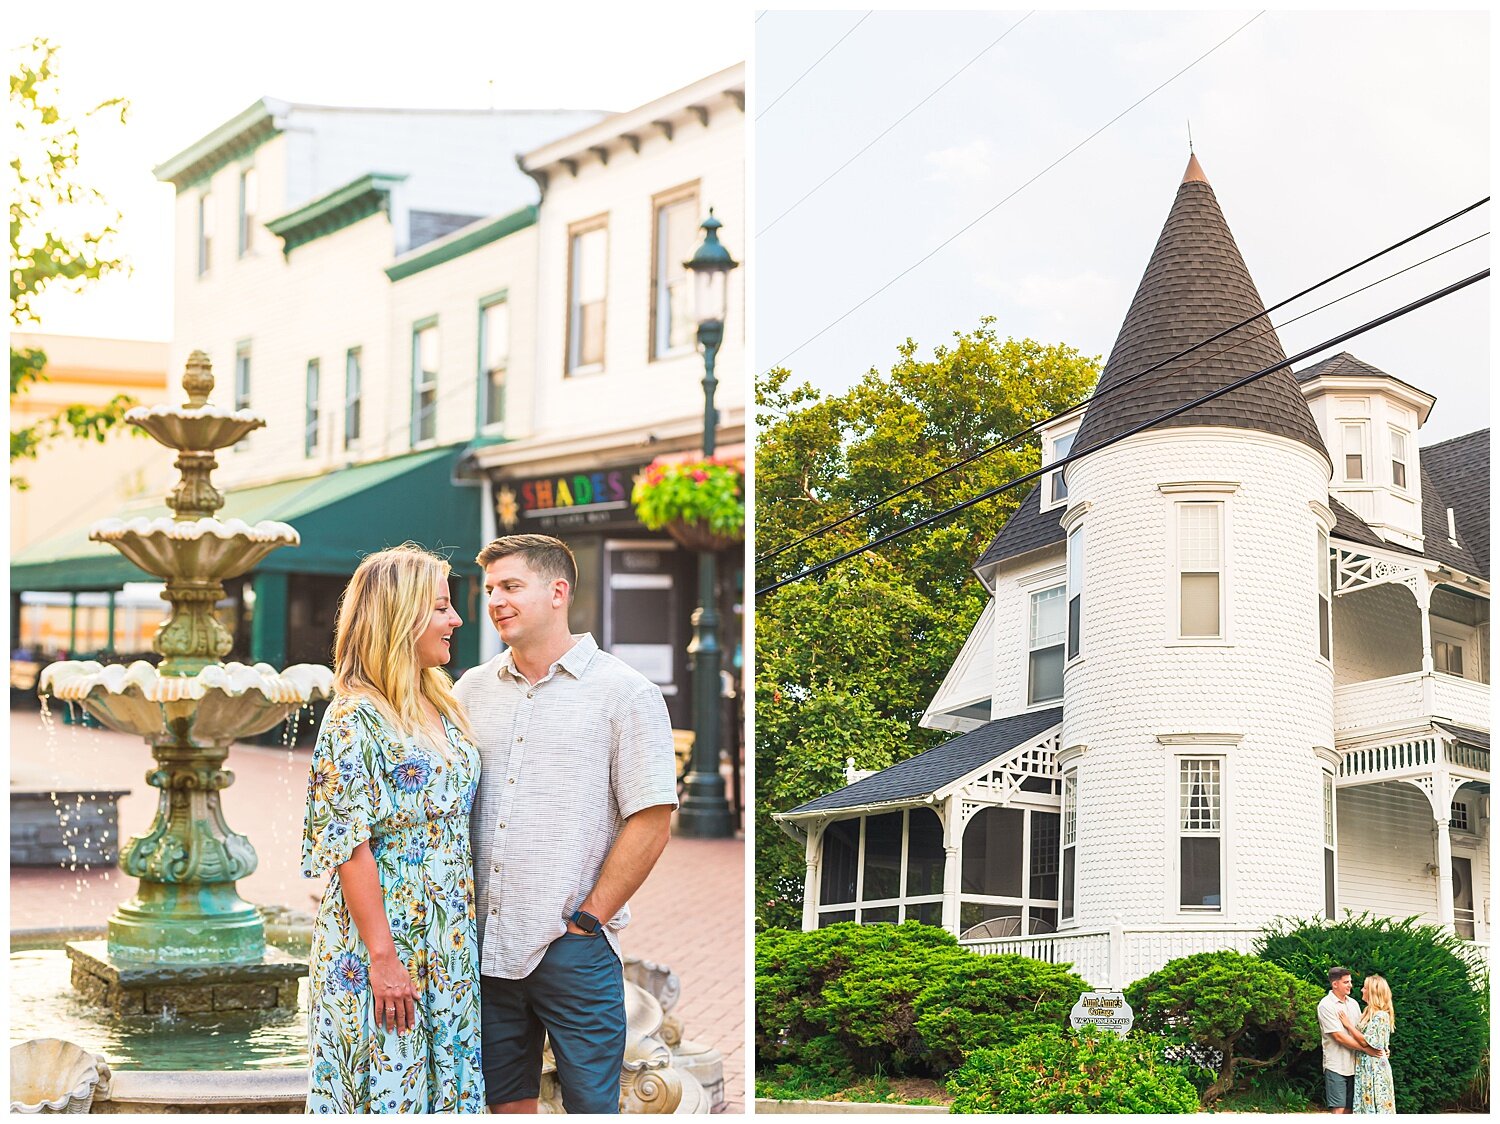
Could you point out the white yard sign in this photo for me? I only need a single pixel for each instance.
(1105, 1009)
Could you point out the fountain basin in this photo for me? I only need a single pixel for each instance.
(201, 428)
(194, 550)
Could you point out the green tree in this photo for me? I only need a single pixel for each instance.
(57, 239)
(847, 661)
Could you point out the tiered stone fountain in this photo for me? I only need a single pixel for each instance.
(187, 941)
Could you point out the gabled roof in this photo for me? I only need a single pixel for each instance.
(1456, 474)
(927, 772)
(1028, 528)
(1195, 286)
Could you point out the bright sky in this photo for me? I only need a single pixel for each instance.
(187, 69)
(1325, 136)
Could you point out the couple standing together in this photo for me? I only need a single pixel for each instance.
(483, 840)
(1356, 1047)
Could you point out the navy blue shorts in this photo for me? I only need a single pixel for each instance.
(576, 995)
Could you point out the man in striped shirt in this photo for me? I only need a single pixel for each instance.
(574, 807)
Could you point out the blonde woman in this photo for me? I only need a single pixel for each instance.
(1374, 1091)
(394, 998)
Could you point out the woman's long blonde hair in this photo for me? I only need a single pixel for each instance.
(1380, 1000)
(385, 607)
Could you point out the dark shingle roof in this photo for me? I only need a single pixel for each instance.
(1195, 286)
(429, 226)
(1456, 474)
(927, 772)
(1350, 527)
(1028, 528)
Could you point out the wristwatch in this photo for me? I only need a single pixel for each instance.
(587, 922)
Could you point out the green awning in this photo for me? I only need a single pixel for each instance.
(341, 515)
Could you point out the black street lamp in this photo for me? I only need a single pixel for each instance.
(704, 813)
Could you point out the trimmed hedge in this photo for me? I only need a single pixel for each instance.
(1441, 996)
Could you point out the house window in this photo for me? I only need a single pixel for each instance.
(205, 231)
(1200, 569)
(242, 385)
(1075, 591)
(1200, 818)
(587, 257)
(1010, 872)
(1069, 841)
(1448, 657)
(885, 868)
(494, 352)
(1330, 865)
(353, 394)
(424, 375)
(310, 416)
(1325, 599)
(676, 224)
(1398, 458)
(1354, 451)
(249, 203)
(1045, 646)
(1061, 447)
(1458, 816)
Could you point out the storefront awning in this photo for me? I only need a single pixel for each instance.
(341, 515)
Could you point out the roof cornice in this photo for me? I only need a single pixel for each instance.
(237, 137)
(341, 207)
(1419, 400)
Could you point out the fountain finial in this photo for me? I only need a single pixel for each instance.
(198, 380)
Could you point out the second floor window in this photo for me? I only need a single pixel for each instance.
(1200, 569)
(1061, 447)
(310, 417)
(248, 205)
(1045, 644)
(1069, 842)
(1075, 592)
(494, 353)
(424, 376)
(205, 231)
(671, 286)
(353, 395)
(1354, 451)
(242, 384)
(1398, 458)
(587, 253)
(1448, 657)
(1325, 600)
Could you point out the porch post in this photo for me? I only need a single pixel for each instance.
(952, 833)
(1423, 594)
(1440, 797)
(810, 884)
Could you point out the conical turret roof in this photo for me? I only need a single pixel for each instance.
(1195, 286)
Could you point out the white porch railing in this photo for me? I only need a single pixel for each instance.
(1413, 697)
(1113, 958)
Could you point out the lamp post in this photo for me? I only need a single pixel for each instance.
(704, 813)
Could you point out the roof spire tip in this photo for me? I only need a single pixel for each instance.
(1194, 173)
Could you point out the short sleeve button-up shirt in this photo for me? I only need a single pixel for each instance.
(566, 761)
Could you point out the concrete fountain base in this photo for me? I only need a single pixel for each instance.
(127, 988)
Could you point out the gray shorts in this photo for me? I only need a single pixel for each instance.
(1338, 1090)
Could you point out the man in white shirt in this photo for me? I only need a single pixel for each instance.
(1340, 1043)
(574, 807)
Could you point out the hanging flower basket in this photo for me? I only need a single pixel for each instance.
(701, 504)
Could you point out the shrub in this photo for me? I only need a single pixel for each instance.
(1247, 1010)
(902, 1000)
(1054, 1070)
(1442, 1018)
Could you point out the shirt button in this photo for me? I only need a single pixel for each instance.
(512, 780)
(502, 825)
(520, 737)
(497, 871)
(494, 912)
(529, 694)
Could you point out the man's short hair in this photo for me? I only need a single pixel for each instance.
(546, 556)
(1336, 974)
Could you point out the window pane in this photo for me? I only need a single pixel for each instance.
(1068, 891)
(1328, 881)
(924, 853)
(1200, 872)
(992, 853)
(310, 421)
(1354, 467)
(1042, 920)
(676, 227)
(1075, 620)
(352, 396)
(882, 857)
(1325, 641)
(1046, 675)
(1354, 452)
(881, 915)
(1046, 831)
(1199, 794)
(586, 301)
(1047, 617)
(840, 863)
(1200, 604)
(1070, 808)
(827, 919)
(1198, 536)
(1327, 810)
(972, 913)
(928, 913)
(496, 360)
(1398, 474)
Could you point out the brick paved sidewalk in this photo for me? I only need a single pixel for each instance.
(689, 916)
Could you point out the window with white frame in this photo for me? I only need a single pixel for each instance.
(1200, 803)
(1325, 598)
(310, 412)
(1075, 592)
(1010, 871)
(494, 351)
(1448, 657)
(1069, 891)
(249, 204)
(205, 231)
(1330, 863)
(242, 385)
(676, 226)
(1458, 816)
(1045, 632)
(883, 868)
(1398, 458)
(1057, 486)
(353, 394)
(424, 379)
(1354, 451)
(588, 246)
(1200, 569)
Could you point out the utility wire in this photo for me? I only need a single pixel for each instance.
(1026, 478)
(893, 124)
(1035, 427)
(815, 62)
(986, 214)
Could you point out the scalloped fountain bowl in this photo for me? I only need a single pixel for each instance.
(206, 549)
(202, 428)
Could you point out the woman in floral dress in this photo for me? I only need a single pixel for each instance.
(1374, 1091)
(393, 1021)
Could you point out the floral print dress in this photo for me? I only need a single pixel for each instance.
(1374, 1091)
(370, 783)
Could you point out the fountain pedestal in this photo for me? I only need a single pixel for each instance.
(141, 988)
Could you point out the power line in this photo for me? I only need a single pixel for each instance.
(964, 229)
(815, 62)
(893, 124)
(1035, 427)
(1026, 478)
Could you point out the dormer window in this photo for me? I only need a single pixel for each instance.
(1398, 458)
(1354, 451)
(1061, 447)
(1055, 447)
